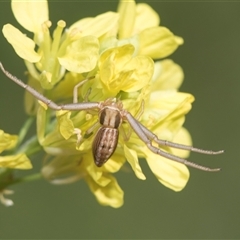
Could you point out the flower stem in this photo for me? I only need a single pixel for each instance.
(29, 178)
(24, 130)
(7, 180)
(30, 147)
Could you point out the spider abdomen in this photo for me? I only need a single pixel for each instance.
(104, 144)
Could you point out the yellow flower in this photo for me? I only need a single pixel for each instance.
(138, 24)
(112, 54)
(17, 161)
(65, 50)
(163, 114)
(120, 71)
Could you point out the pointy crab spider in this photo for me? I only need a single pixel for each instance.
(111, 115)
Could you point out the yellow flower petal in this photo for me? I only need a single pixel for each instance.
(30, 14)
(184, 105)
(157, 42)
(136, 74)
(120, 71)
(169, 128)
(103, 24)
(146, 18)
(179, 40)
(65, 124)
(127, 12)
(93, 171)
(133, 105)
(7, 141)
(114, 163)
(81, 55)
(23, 46)
(18, 161)
(132, 158)
(110, 195)
(171, 174)
(117, 56)
(165, 106)
(111, 63)
(167, 75)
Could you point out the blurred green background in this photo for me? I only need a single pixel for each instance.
(209, 206)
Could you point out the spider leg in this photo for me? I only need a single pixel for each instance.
(138, 128)
(75, 89)
(138, 115)
(48, 102)
(154, 138)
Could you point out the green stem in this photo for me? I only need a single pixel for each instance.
(30, 147)
(29, 178)
(24, 130)
(9, 180)
(4, 173)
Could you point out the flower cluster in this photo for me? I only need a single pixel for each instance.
(115, 55)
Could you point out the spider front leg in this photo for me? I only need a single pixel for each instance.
(147, 136)
(48, 102)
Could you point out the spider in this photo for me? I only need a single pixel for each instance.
(111, 115)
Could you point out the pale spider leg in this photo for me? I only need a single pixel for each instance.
(142, 135)
(48, 102)
(154, 138)
(75, 89)
(138, 115)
